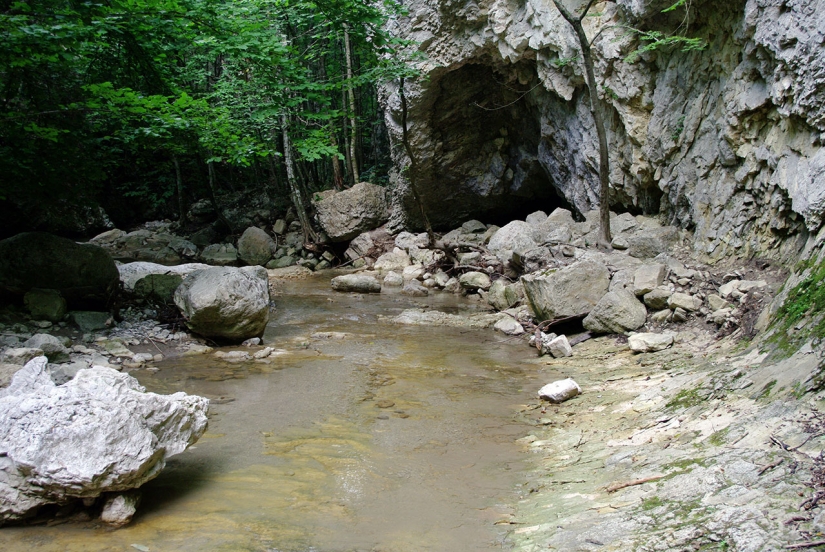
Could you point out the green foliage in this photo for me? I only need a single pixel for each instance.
(801, 315)
(88, 89)
(766, 390)
(718, 438)
(653, 40)
(657, 40)
(561, 63)
(652, 503)
(610, 92)
(686, 398)
(678, 4)
(680, 127)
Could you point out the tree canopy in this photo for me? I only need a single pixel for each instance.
(116, 95)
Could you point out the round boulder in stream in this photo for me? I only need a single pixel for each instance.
(356, 283)
(225, 303)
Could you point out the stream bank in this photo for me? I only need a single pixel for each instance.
(698, 447)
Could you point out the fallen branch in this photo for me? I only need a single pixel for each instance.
(779, 443)
(808, 544)
(808, 438)
(618, 486)
(771, 466)
(796, 519)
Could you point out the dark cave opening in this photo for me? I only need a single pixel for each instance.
(486, 134)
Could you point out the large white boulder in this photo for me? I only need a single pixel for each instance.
(516, 237)
(98, 433)
(649, 342)
(225, 302)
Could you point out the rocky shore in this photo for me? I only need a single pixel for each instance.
(683, 421)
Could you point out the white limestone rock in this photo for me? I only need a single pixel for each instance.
(560, 391)
(98, 433)
(356, 283)
(649, 342)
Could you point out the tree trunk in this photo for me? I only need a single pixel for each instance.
(353, 142)
(605, 236)
(213, 187)
(411, 172)
(337, 177)
(180, 191)
(345, 126)
(309, 234)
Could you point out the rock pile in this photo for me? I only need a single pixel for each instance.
(157, 244)
(545, 269)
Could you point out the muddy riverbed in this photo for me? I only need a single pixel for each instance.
(355, 435)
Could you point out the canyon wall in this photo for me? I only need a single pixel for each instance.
(724, 142)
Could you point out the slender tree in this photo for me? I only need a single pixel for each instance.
(353, 142)
(292, 180)
(596, 109)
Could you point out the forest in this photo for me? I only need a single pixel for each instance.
(144, 106)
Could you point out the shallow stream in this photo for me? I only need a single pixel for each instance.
(357, 435)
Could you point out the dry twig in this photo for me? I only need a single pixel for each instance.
(612, 488)
(771, 466)
(808, 544)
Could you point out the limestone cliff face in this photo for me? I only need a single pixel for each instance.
(725, 142)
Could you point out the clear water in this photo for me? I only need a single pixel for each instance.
(375, 438)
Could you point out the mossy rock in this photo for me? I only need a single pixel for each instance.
(158, 287)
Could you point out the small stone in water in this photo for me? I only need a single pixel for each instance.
(384, 404)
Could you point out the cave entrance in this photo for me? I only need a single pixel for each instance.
(486, 124)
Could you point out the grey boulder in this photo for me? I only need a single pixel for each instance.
(646, 244)
(131, 273)
(345, 215)
(571, 291)
(502, 295)
(84, 274)
(648, 277)
(220, 254)
(617, 312)
(158, 287)
(52, 347)
(45, 304)
(255, 247)
(413, 288)
(474, 281)
(225, 303)
(98, 433)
